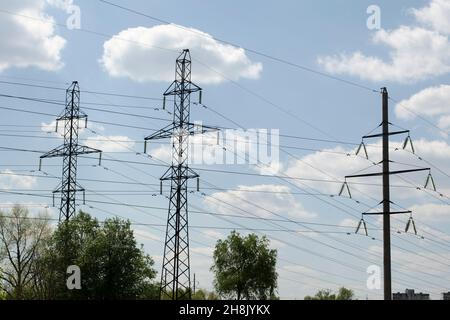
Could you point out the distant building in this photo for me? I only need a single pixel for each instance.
(411, 295)
(446, 296)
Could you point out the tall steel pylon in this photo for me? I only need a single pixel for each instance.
(175, 275)
(69, 151)
(385, 174)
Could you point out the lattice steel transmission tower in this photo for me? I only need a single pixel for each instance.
(69, 151)
(386, 202)
(175, 275)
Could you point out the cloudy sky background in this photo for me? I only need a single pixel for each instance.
(124, 53)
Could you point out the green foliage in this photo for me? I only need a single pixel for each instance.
(112, 265)
(343, 294)
(244, 268)
(201, 294)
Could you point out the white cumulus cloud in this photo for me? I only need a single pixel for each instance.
(135, 53)
(432, 102)
(9, 180)
(29, 42)
(431, 212)
(436, 15)
(415, 52)
(261, 200)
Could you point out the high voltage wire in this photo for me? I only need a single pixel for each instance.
(206, 107)
(86, 91)
(192, 226)
(247, 173)
(62, 103)
(281, 259)
(235, 122)
(236, 207)
(139, 170)
(93, 121)
(144, 212)
(97, 109)
(218, 113)
(247, 211)
(204, 244)
(445, 132)
(11, 134)
(283, 241)
(35, 80)
(421, 189)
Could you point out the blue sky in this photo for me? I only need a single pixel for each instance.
(410, 55)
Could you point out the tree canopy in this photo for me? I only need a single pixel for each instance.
(111, 263)
(342, 294)
(245, 268)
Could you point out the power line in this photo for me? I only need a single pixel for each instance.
(162, 161)
(89, 108)
(228, 119)
(86, 91)
(93, 121)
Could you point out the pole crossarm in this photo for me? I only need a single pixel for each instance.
(176, 88)
(61, 151)
(378, 174)
(168, 175)
(381, 213)
(170, 131)
(379, 135)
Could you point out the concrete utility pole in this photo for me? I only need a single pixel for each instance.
(385, 174)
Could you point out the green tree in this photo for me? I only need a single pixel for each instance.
(112, 264)
(202, 294)
(21, 238)
(343, 294)
(244, 268)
